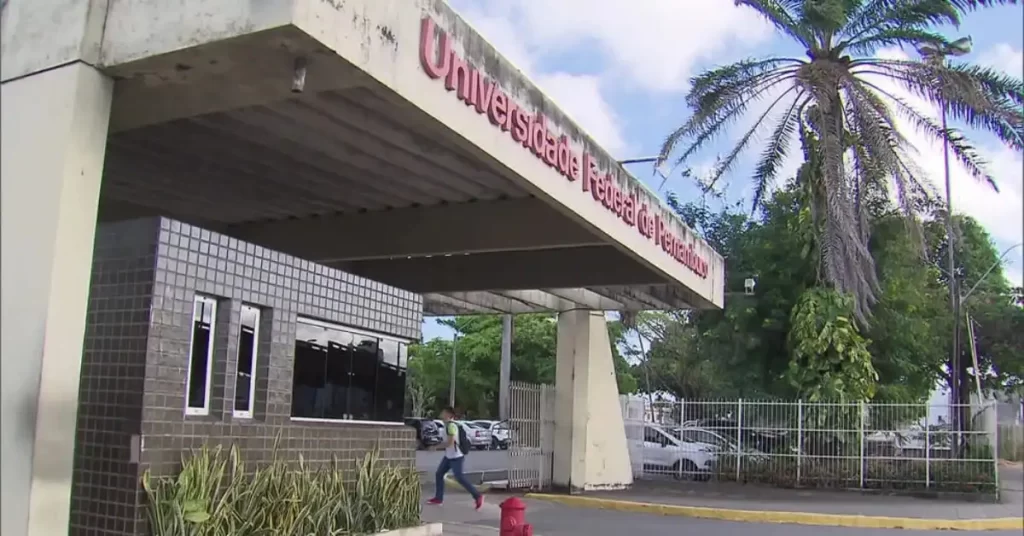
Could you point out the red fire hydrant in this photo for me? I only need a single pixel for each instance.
(513, 518)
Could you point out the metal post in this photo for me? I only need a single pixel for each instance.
(505, 370)
(739, 437)
(995, 449)
(927, 446)
(799, 438)
(862, 444)
(451, 379)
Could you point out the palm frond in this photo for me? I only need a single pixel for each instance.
(726, 163)
(980, 97)
(777, 149)
(894, 37)
(783, 15)
(958, 144)
(715, 112)
(883, 15)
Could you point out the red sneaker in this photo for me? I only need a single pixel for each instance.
(479, 502)
(435, 502)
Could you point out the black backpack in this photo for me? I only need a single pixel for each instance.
(463, 439)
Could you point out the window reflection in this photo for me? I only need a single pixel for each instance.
(342, 374)
(245, 376)
(204, 311)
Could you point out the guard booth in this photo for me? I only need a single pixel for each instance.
(201, 198)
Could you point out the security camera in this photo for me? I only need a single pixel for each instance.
(748, 286)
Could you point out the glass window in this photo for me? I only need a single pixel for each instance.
(365, 362)
(245, 376)
(354, 376)
(200, 364)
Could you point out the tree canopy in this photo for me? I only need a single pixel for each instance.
(478, 357)
(833, 100)
(793, 338)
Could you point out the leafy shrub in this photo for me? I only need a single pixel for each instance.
(945, 475)
(214, 495)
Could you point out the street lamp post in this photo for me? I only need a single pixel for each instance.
(936, 55)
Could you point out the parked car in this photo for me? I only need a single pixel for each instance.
(663, 450)
(715, 442)
(427, 432)
(499, 433)
(479, 437)
(759, 440)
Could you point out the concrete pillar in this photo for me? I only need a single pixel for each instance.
(590, 451)
(505, 367)
(54, 133)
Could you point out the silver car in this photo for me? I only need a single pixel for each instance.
(499, 433)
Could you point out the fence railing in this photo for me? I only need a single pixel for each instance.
(821, 445)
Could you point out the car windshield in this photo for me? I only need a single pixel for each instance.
(696, 435)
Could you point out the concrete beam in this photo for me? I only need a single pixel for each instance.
(250, 70)
(511, 270)
(495, 302)
(491, 226)
(588, 298)
(442, 305)
(540, 300)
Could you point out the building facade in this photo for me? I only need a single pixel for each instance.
(196, 338)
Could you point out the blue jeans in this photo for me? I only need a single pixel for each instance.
(455, 466)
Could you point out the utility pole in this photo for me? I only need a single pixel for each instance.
(451, 380)
(936, 56)
(505, 370)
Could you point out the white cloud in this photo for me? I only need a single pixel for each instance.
(650, 44)
(1004, 57)
(579, 95)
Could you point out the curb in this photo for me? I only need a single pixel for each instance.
(449, 482)
(792, 518)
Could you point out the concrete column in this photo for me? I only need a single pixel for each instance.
(590, 451)
(54, 133)
(505, 367)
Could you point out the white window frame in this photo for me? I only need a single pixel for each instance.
(205, 410)
(248, 413)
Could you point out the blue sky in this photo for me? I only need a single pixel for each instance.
(621, 69)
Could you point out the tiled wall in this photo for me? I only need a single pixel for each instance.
(185, 260)
(105, 482)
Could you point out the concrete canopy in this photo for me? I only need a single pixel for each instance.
(376, 166)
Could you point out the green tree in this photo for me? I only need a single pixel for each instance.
(478, 349)
(994, 306)
(749, 348)
(830, 99)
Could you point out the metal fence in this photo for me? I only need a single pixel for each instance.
(531, 435)
(817, 445)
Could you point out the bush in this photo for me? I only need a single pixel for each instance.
(945, 475)
(214, 495)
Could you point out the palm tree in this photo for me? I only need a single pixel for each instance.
(831, 99)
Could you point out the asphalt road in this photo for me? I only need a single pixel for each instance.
(556, 520)
(476, 461)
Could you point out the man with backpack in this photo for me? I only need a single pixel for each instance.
(455, 445)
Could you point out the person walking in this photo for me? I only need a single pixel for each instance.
(455, 450)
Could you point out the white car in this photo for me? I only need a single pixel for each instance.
(663, 450)
(499, 433)
(479, 438)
